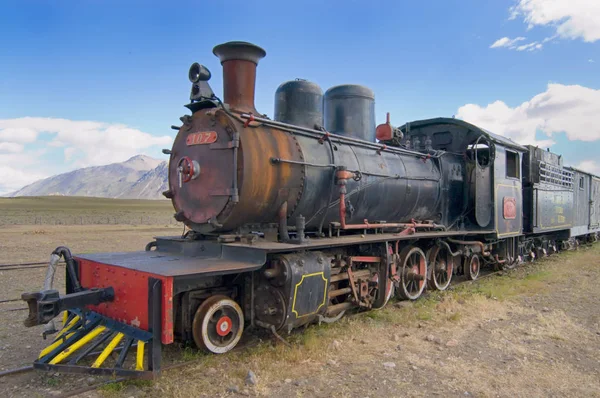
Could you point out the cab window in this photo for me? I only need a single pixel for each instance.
(512, 164)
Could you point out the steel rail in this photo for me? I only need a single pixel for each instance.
(19, 266)
(15, 371)
(27, 264)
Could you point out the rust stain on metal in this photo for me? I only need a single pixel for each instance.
(239, 60)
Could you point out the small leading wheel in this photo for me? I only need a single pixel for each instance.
(218, 324)
(413, 273)
(441, 267)
(472, 266)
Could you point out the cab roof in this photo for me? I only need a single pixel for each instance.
(461, 123)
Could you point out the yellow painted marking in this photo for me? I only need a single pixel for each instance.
(69, 326)
(65, 317)
(296, 292)
(78, 344)
(556, 226)
(514, 233)
(139, 359)
(109, 348)
(53, 346)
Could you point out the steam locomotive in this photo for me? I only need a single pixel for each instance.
(306, 217)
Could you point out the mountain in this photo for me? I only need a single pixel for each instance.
(140, 177)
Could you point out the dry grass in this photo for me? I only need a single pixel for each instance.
(504, 347)
(73, 210)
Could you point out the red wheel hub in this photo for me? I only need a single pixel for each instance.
(224, 326)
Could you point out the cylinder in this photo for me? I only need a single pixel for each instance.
(299, 102)
(350, 110)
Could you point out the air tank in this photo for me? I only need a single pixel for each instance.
(350, 111)
(299, 102)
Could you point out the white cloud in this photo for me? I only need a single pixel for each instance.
(530, 47)
(591, 61)
(69, 152)
(11, 147)
(591, 166)
(18, 178)
(8, 133)
(507, 42)
(511, 44)
(99, 143)
(570, 109)
(572, 19)
(88, 143)
(18, 169)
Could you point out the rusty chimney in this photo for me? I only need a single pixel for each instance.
(239, 60)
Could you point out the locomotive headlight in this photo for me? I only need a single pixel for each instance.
(198, 73)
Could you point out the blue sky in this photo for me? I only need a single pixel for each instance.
(77, 76)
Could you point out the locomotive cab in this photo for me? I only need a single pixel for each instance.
(482, 172)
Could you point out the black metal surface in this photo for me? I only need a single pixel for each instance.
(394, 187)
(155, 315)
(548, 192)
(299, 102)
(293, 291)
(72, 275)
(123, 354)
(507, 187)
(173, 263)
(481, 180)
(184, 283)
(93, 320)
(460, 133)
(102, 339)
(581, 201)
(319, 135)
(239, 50)
(117, 326)
(348, 240)
(595, 203)
(90, 320)
(349, 110)
(48, 304)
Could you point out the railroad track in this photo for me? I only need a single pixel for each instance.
(95, 386)
(19, 266)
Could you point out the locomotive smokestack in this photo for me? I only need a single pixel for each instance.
(239, 60)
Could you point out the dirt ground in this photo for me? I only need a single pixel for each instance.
(532, 332)
(32, 243)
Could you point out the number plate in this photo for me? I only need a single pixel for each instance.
(201, 138)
